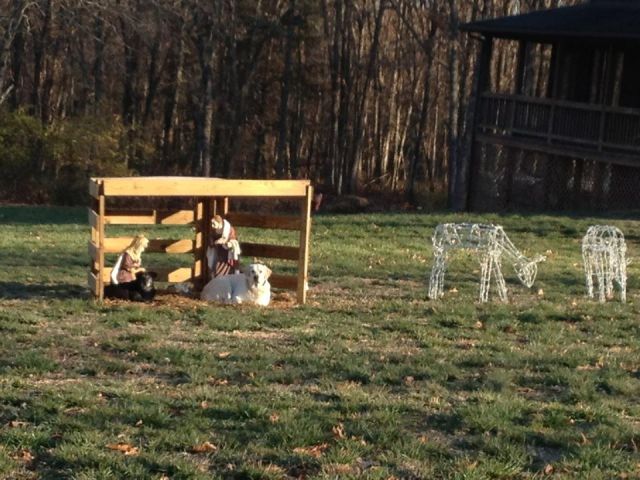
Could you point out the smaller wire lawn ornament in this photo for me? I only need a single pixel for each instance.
(604, 255)
(491, 245)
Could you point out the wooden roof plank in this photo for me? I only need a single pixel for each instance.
(201, 187)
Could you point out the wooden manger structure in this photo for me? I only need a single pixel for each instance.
(208, 197)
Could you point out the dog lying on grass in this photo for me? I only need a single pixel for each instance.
(252, 286)
(141, 289)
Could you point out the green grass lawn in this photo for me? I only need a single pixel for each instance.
(368, 380)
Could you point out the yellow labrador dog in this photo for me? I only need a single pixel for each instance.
(252, 286)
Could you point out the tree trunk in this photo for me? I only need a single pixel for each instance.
(205, 115)
(17, 52)
(14, 26)
(40, 40)
(171, 96)
(281, 161)
(454, 101)
(356, 154)
(98, 63)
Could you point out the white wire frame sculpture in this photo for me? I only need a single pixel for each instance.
(491, 245)
(604, 257)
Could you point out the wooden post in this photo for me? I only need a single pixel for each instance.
(305, 234)
(482, 84)
(94, 270)
(200, 271)
(101, 214)
(223, 206)
(550, 127)
(522, 62)
(209, 212)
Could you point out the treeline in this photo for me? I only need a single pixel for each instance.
(355, 94)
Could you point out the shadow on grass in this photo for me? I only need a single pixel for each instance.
(45, 215)
(23, 291)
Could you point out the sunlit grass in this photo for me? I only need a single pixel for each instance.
(368, 380)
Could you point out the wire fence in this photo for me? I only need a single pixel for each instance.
(508, 178)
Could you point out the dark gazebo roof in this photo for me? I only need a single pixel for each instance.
(597, 19)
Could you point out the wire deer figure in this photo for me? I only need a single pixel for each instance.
(604, 255)
(492, 245)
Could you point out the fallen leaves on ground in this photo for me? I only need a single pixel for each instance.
(17, 424)
(315, 451)
(24, 455)
(340, 469)
(217, 381)
(338, 431)
(124, 448)
(205, 447)
(224, 354)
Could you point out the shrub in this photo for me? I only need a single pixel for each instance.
(25, 153)
(83, 148)
(53, 164)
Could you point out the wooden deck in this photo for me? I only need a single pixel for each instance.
(609, 134)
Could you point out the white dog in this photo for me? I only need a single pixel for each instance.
(252, 286)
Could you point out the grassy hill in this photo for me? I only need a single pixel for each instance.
(368, 380)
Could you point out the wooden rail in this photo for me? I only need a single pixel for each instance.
(149, 217)
(196, 187)
(569, 126)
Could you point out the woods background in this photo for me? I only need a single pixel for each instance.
(357, 95)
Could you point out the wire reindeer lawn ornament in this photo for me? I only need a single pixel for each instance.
(491, 245)
(604, 255)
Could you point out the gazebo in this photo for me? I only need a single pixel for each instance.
(557, 111)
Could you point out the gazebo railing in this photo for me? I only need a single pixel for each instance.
(560, 123)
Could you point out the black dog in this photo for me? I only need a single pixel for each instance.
(139, 290)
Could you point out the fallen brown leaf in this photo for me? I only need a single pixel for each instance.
(124, 448)
(548, 469)
(359, 440)
(315, 451)
(341, 468)
(218, 381)
(205, 447)
(584, 439)
(272, 469)
(338, 431)
(224, 354)
(24, 455)
(17, 424)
